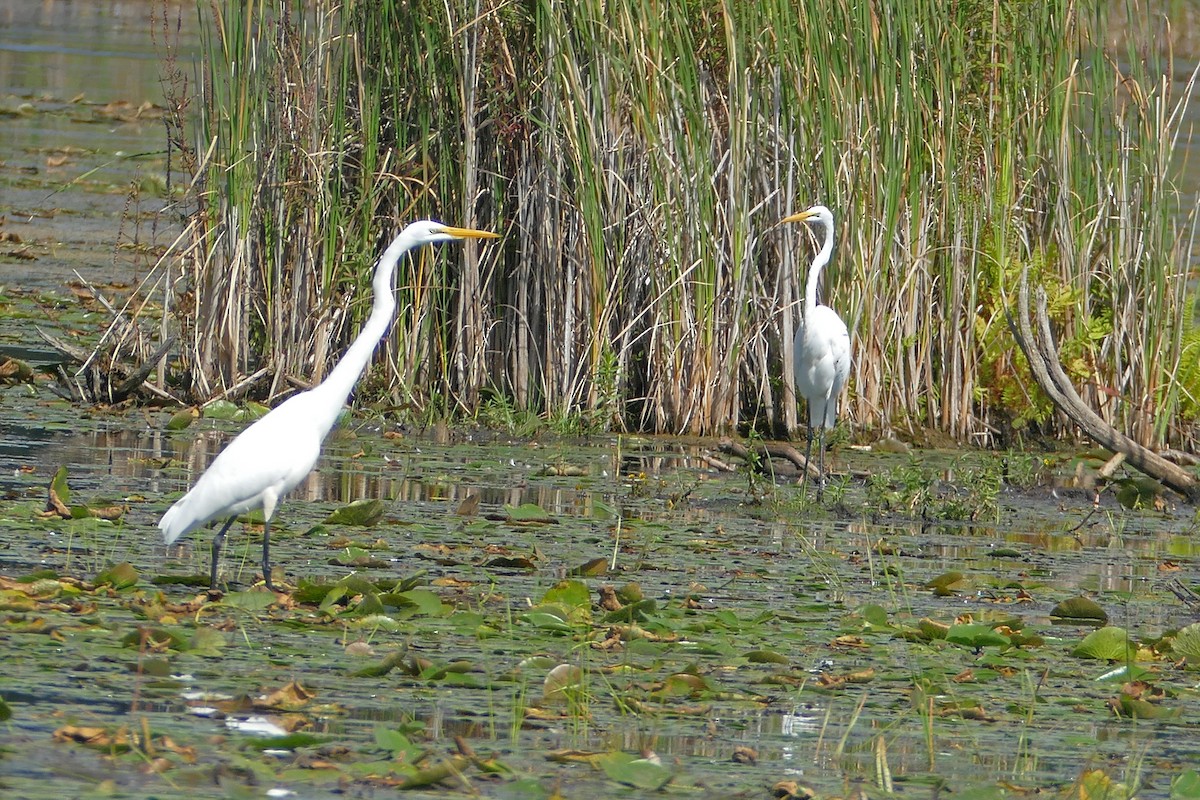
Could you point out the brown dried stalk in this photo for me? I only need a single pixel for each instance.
(1047, 370)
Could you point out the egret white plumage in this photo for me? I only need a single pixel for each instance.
(821, 349)
(268, 459)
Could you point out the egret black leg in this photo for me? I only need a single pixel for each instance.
(807, 456)
(266, 564)
(821, 464)
(218, 540)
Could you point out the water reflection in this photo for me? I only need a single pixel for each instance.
(104, 51)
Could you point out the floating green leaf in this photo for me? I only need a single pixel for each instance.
(253, 410)
(527, 514)
(397, 744)
(932, 629)
(766, 657)
(546, 622)
(640, 611)
(1137, 708)
(154, 638)
(206, 641)
(1079, 608)
(976, 635)
(253, 600)
(947, 583)
(1186, 785)
(1108, 644)
(875, 615)
(381, 668)
(420, 601)
(640, 773)
(332, 596)
(683, 684)
(591, 568)
(356, 557)
(220, 409)
(119, 576)
(574, 594)
(364, 513)
(59, 488)
(1187, 643)
(181, 419)
(292, 741)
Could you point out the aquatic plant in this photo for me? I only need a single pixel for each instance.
(639, 156)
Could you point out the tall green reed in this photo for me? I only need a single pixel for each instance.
(639, 155)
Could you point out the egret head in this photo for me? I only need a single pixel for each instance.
(430, 231)
(817, 213)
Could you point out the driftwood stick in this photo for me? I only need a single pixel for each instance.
(767, 451)
(237, 388)
(134, 381)
(77, 354)
(1042, 355)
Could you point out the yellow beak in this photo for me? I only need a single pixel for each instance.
(797, 217)
(468, 233)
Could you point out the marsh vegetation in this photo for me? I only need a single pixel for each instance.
(519, 603)
(638, 157)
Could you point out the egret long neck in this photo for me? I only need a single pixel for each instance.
(337, 387)
(814, 272)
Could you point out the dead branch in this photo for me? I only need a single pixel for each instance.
(767, 451)
(69, 350)
(138, 377)
(1042, 355)
(95, 387)
(1185, 594)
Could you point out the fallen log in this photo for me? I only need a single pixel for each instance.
(766, 451)
(1042, 355)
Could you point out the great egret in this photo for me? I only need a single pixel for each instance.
(268, 459)
(821, 349)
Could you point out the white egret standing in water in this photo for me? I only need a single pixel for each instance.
(272, 456)
(821, 349)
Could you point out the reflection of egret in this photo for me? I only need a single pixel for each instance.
(821, 349)
(268, 459)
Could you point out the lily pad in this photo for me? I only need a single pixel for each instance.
(1186, 785)
(560, 682)
(976, 635)
(399, 745)
(182, 419)
(527, 514)
(947, 583)
(1107, 644)
(547, 622)
(256, 600)
(364, 513)
(1187, 643)
(640, 773)
(220, 409)
(570, 593)
(1079, 608)
(119, 576)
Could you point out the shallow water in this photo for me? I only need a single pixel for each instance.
(775, 574)
(738, 566)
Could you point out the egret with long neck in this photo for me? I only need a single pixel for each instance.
(272, 456)
(821, 349)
